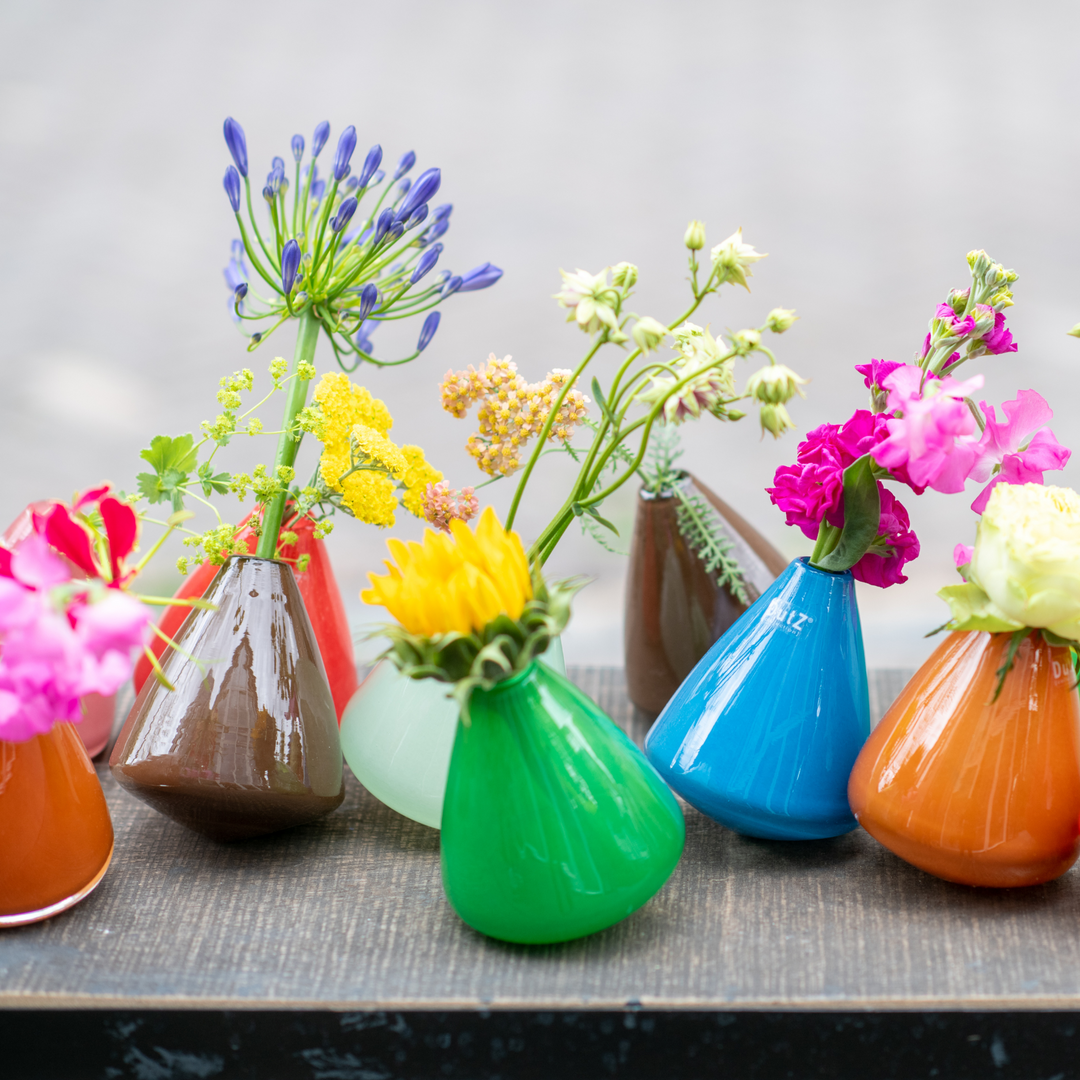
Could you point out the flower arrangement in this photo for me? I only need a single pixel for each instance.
(646, 392)
(923, 430)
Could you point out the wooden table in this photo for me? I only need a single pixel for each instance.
(329, 951)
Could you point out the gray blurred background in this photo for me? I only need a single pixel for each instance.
(866, 147)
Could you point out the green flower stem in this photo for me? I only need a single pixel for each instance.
(307, 337)
(254, 225)
(827, 538)
(296, 199)
(254, 258)
(317, 252)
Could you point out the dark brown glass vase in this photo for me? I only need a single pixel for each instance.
(248, 741)
(674, 609)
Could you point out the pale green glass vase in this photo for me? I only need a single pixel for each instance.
(397, 735)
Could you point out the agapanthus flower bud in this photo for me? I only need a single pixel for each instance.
(648, 333)
(417, 217)
(480, 277)
(395, 231)
(624, 275)
(427, 331)
(237, 144)
(371, 163)
(441, 212)
(344, 214)
(781, 319)
(345, 147)
(403, 188)
(297, 147)
(240, 291)
(408, 160)
(278, 164)
(427, 183)
(382, 225)
(290, 263)
(774, 384)
(453, 284)
(694, 237)
(318, 140)
(378, 178)
(268, 193)
(436, 230)
(427, 261)
(352, 183)
(232, 187)
(369, 297)
(318, 189)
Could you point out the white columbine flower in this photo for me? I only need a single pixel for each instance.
(588, 300)
(774, 384)
(648, 333)
(735, 259)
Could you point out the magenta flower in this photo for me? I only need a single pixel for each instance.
(962, 554)
(875, 372)
(884, 570)
(1019, 450)
(998, 339)
(929, 445)
(952, 323)
(813, 488)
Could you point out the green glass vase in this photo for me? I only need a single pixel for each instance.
(554, 824)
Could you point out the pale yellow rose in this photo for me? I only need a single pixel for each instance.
(1027, 556)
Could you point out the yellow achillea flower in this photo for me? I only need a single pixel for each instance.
(452, 583)
(417, 476)
(345, 404)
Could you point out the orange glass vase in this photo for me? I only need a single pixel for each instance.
(973, 790)
(56, 838)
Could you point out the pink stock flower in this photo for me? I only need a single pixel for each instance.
(962, 554)
(1017, 451)
(998, 339)
(895, 526)
(813, 488)
(954, 325)
(876, 371)
(926, 445)
(948, 363)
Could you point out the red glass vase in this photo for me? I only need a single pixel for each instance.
(322, 598)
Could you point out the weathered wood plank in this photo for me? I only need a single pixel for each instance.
(350, 913)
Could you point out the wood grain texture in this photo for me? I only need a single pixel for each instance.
(349, 913)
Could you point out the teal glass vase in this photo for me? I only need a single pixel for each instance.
(554, 824)
(397, 735)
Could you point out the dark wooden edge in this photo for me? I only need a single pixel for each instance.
(491, 1045)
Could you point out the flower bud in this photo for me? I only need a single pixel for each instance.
(268, 193)
(436, 230)
(624, 275)
(395, 231)
(480, 277)
(774, 384)
(369, 297)
(775, 420)
(318, 140)
(417, 217)
(746, 341)
(427, 183)
(1075, 331)
(382, 225)
(408, 160)
(344, 214)
(232, 188)
(441, 212)
(403, 188)
(371, 163)
(318, 189)
(427, 331)
(694, 238)
(780, 319)
(297, 148)
(453, 284)
(427, 261)
(345, 147)
(378, 178)
(352, 183)
(237, 144)
(648, 333)
(734, 414)
(240, 292)
(290, 263)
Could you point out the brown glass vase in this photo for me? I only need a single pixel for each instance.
(675, 610)
(247, 742)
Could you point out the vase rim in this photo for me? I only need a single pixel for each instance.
(805, 560)
(684, 478)
(512, 680)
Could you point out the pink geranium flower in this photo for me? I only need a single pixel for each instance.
(1019, 450)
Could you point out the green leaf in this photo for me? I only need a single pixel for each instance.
(972, 609)
(593, 513)
(598, 394)
(167, 453)
(211, 484)
(862, 514)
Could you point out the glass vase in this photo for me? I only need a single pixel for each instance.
(56, 838)
(973, 790)
(322, 599)
(247, 743)
(674, 609)
(762, 735)
(554, 825)
(397, 735)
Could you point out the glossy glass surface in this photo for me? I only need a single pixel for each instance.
(554, 824)
(397, 735)
(322, 599)
(973, 790)
(56, 838)
(675, 610)
(763, 733)
(248, 741)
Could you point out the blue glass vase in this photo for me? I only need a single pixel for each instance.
(763, 733)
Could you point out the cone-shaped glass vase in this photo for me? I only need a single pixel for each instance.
(248, 741)
(554, 824)
(397, 735)
(322, 601)
(978, 791)
(674, 608)
(56, 838)
(763, 733)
